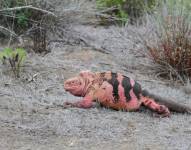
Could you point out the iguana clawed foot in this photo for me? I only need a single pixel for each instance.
(163, 111)
(68, 104)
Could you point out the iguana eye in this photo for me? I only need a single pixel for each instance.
(72, 82)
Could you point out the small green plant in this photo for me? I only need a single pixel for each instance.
(23, 19)
(14, 59)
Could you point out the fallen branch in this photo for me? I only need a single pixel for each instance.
(10, 31)
(30, 7)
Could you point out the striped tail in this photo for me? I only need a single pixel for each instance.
(173, 106)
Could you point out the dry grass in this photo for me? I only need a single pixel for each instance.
(169, 44)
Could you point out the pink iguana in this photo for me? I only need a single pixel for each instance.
(116, 91)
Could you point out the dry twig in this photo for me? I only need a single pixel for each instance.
(30, 7)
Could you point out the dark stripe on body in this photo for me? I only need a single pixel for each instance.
(137, 90)
(115, 83)
(127, 87)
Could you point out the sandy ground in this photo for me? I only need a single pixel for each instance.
(31, 118)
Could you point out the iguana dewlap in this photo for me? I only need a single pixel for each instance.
(111, 90)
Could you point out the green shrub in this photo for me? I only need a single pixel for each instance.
(20, 18)
(127, 9)
(20, 15)
(117, 8)
(29, 19)
(14, 59)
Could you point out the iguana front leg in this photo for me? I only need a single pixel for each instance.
(87, 102)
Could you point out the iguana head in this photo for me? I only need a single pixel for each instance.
(75, 86)
(78, 85)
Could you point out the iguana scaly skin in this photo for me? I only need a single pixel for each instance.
(116, 91)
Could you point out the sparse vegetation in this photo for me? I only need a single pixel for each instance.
(14, 59)
(171, 43)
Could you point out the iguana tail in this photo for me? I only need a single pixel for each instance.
(173, 106)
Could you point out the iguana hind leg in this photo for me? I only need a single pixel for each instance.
(151, 104)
